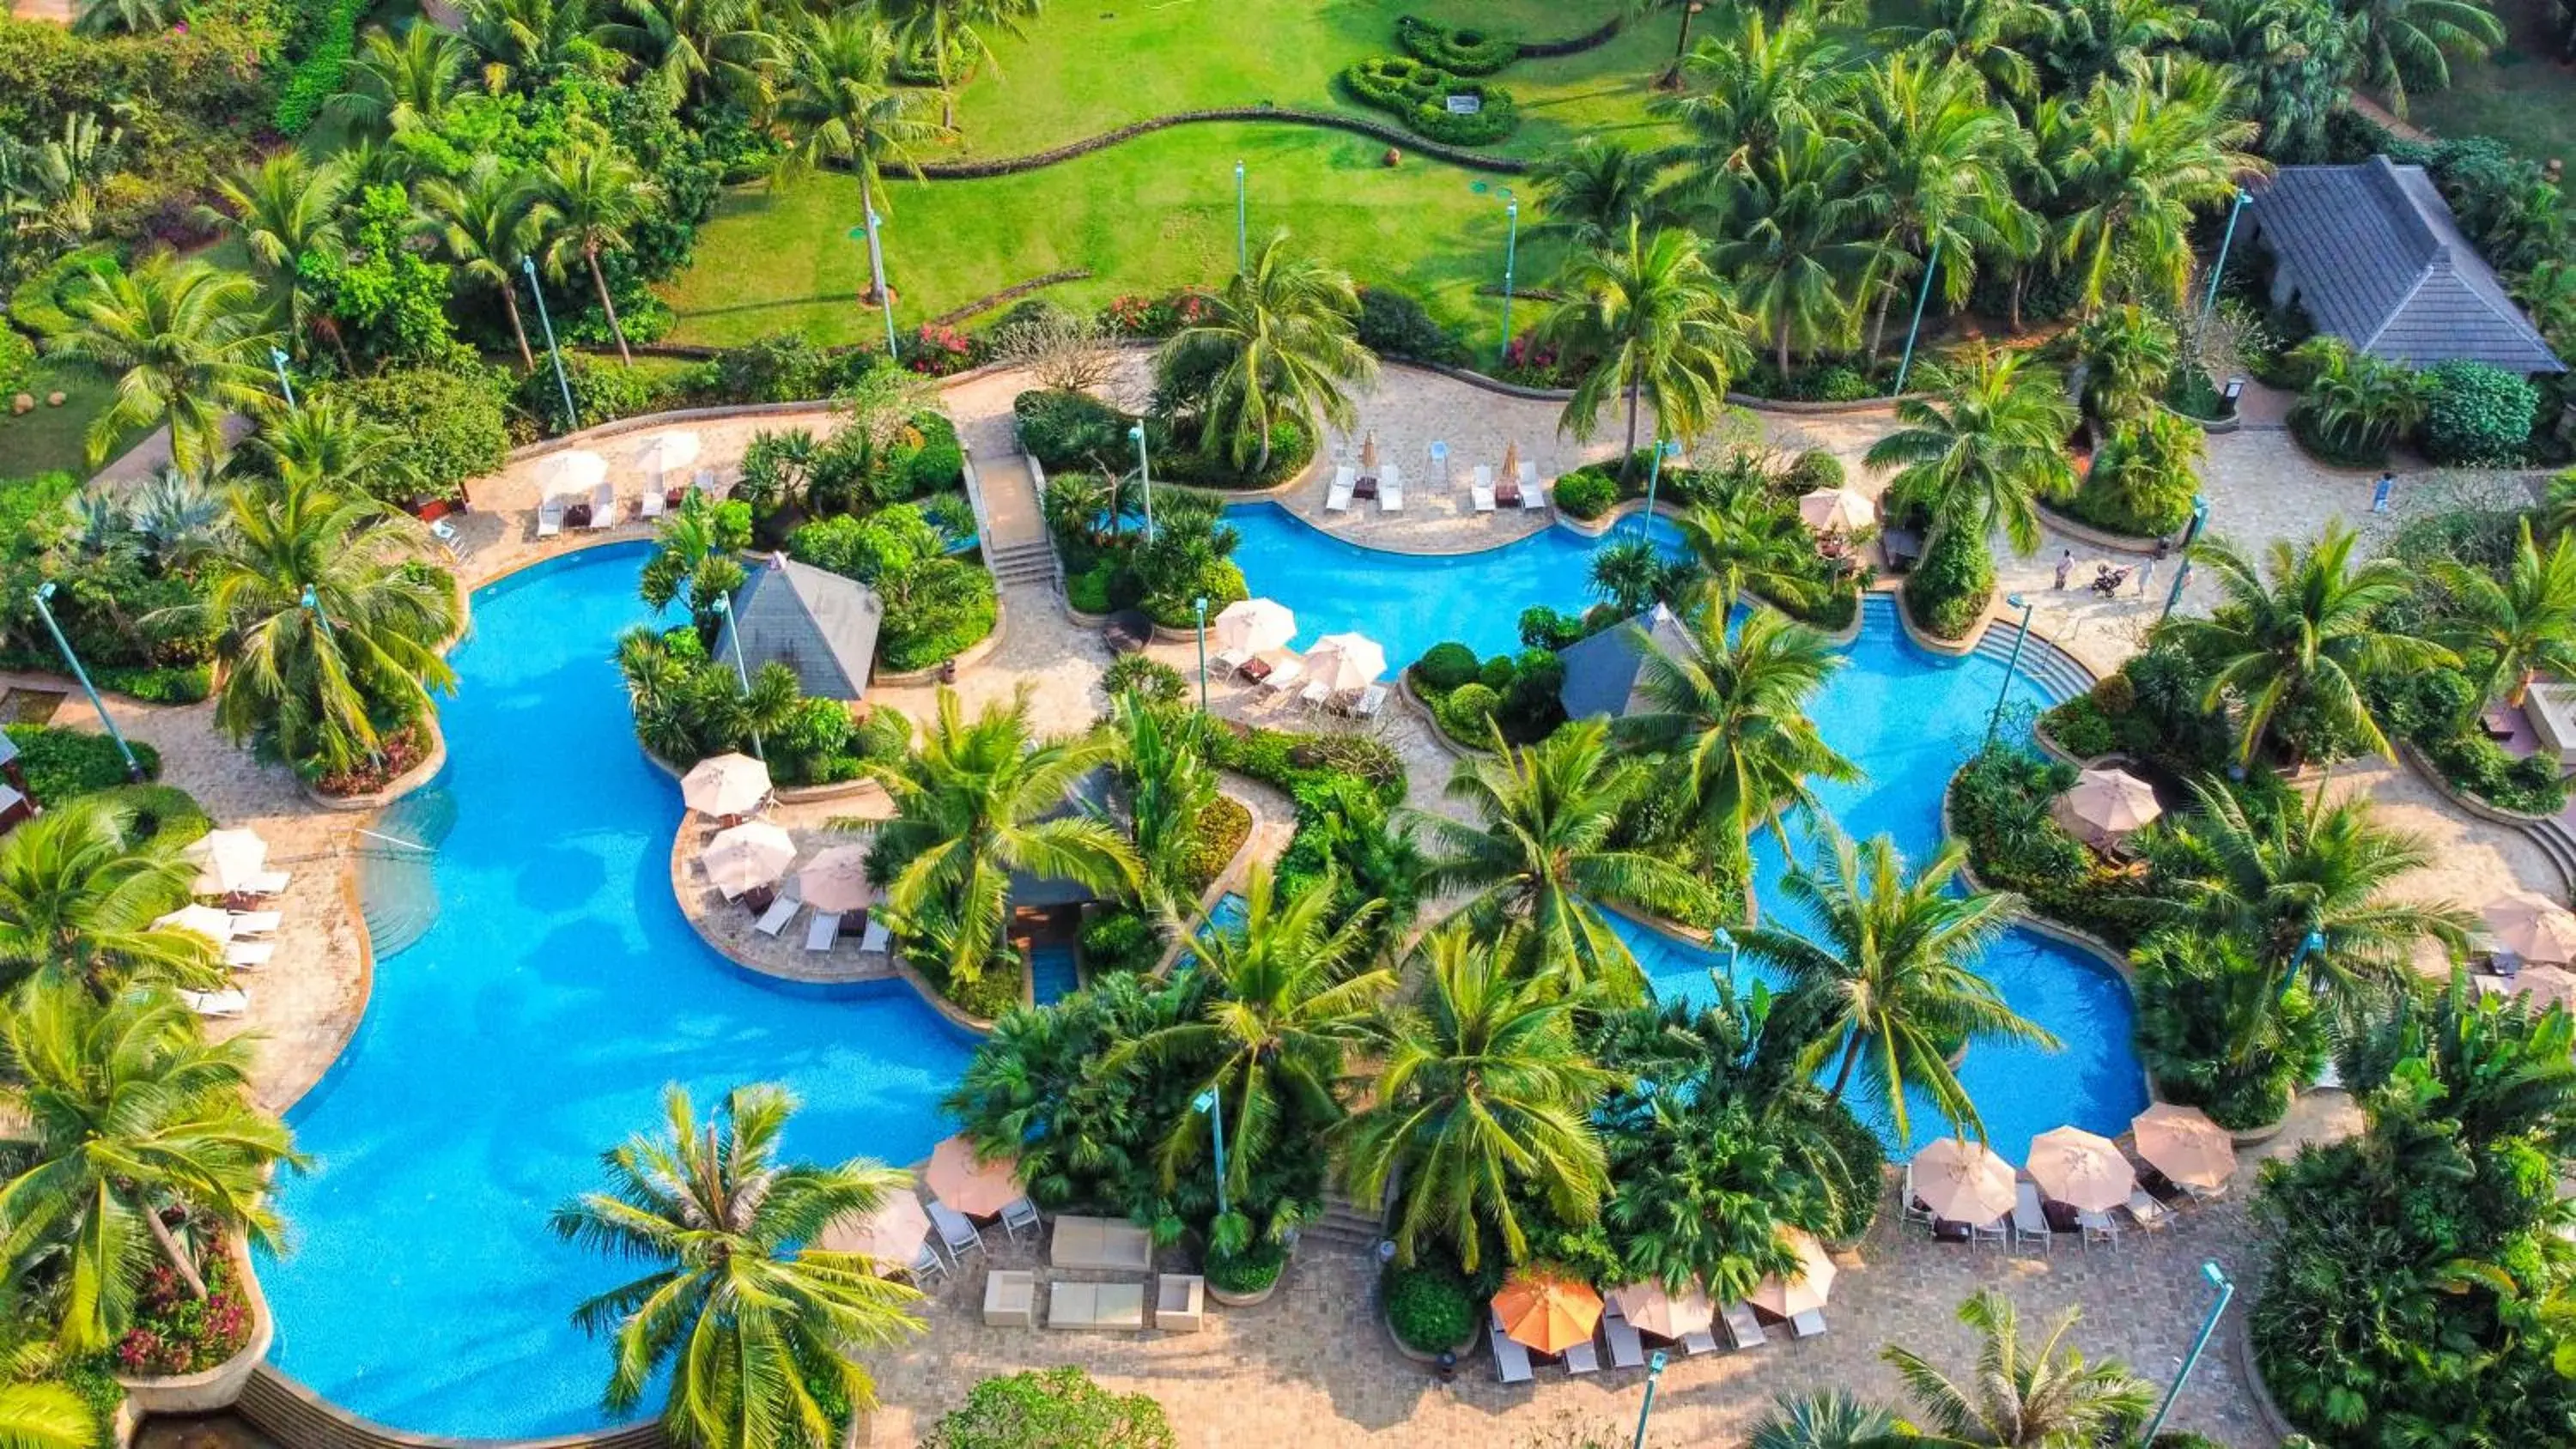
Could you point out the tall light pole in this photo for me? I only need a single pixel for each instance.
(2226, 1291)
(1209, 1103)
(1511, 254)
(1664, 448)
(1922, 294)
(1654, 1375)
(133, 767)
(1720, 936)
(2182, 572)
(724, 606)
(876, 271)
(1200, 604)
(285, 384)
(1144, 476)
(2011, 666)
(572, 419)
(2210, 299)
(2309, 945)
(1242, 214)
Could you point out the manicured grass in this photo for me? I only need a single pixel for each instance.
(49, 439)
(2525, 97)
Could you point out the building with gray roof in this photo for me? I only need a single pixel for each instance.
(816, 622)
(1601, 672)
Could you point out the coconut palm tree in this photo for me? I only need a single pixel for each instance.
(1994, 38)
(395, 85)
(1590, 191)
(977, 801)
(1482, 1095)
(1982, 452)
(1797, 244)
(749, 1316)
(595, 195)
(956, 36)
(184, 343)
(523, 43)
(1728, 712)
(1896, 954)
(328, 639)
(837, 102)
(2129, 354)
(1938, 156)
(2089, 39)
(702, 47)
(2520, 627)
(1277, 344)
(1541, 860)
(2302, 633)
(45, 1414)
(130, 1114)
(77, 904)
(1828, 1419)
(1660, 328)
(2024, 1396)
(1744, 94)
(2276, 879)
(488, 222)
(1162, 762)
(2401, 46)
(329, 441)
(2132, 158)
(1742, 541)
(1294, 990)
(282, 209)
(2290, 58)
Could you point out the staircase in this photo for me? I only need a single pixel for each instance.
(1343, 1225)
(1023, 563)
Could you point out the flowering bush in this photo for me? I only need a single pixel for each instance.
(1135, 316)
(1530, 363)
(175, 1332)
(938, 351)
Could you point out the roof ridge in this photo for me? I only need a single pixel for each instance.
(2408, 210)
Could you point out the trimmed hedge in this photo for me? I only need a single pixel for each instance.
(1455, 48)
(64, 764)
(1586, 494)
(1327, 120)
(1429, 1306)
(1417, 94)
(2476, 414)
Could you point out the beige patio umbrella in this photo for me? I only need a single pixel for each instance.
(664, 453)
(1965, 1182)
(1807, 1292)
(206, 921)
(1653, 1308)
(1512, 461)
(2184, 1145)
(1548, 1313)
(573, 473)
(837, 880)
(2544, 986)
(2082, 1169)
(754, 853)
(1368, 452)
(1253, 625)
(970, 1184)
(1345, 662)
(225, 860)
(892, 1234)
(725, 785)
(2532, 927)
(2104, 806)
(1831, 510)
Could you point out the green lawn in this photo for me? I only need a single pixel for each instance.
(49, 439)
(2523, 97)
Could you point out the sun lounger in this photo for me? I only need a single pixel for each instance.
(1910, 1209)
(2098, 1227)
(1482, 490)
(1020, 1213)
(877, 939)
(1533, 496)
(217, 1003)
(956, 1230)
(1285, 670)
(550, 516)
(780, 912)
(1371, 700)
(2148, 1213)
(2030, 1221)
(1338, 498)
(823, 930)
(249, 955)
(1316, 694)
(257, 923)
(1809, 1324)
(652, 503)
(1105, 1307)
(1626, 1349)
(1390, 490)
(2203, 1195)
(1998, 1232)
(1180, 1302)
(1699, 1343)
(926, 1265)
(1742, 1328)
(266, 883)
(1511, 1357)
(1583, 1358)
(1010, 1298)
(603, 506)
(1107, 1245)
(1228, 661)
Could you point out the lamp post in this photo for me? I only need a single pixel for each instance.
(741, 671)
(1208, 1102)
(1144, 476)
(2226, 1291)
(1995, 719)
(2209, 300)
(45, 592)
(2182, 571)
(572, 419)
(1664, 448)
(1200, 604)
(1720, 936)
(312, 604)
(285, 384)
(1242, 241)
(1511, 253)
(876, 272)
(1922, 294)
(2309, 945)
(1654, 1375)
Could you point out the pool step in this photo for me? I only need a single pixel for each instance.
(2057, 674)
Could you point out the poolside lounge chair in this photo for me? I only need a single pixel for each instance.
(780, 912)
(651, 504)
(926, 1265)
(1533, 494)
(1742, 1328)
(2148, 1213)
(1317, 694)
(448, 538)
(1809, 1324)
(1482, 490)
(1338, 498)
(1583, 1358)
(956, 1230)
(1370, 701)
(1285, 670)
(1390, 490)
(257, 923)
(231, 1003)
(1626, 1349)
(550, 516)
(1998, 1232)
(2030, 1221)
(823, 930)
(1228, 661)
(2098, 1227)
(2203, 1195)
(877, 939)
(1020, 1213)
(1699, 1343)
(248, 955)
(603, 506)
(266, 883)
(1911, 1208)
(1511, 1356)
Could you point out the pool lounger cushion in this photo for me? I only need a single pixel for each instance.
(822, 931)
(1111, 1307)
(780, 912)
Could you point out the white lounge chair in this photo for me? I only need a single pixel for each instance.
(2203, 1195)
(1020, 1213)
(550, 516)
(1286, 670)
(1909, 1209)
(267, 883)
(1809, 1324)
(248, 955)
(2148, 1213)
(780, 912)
(652, 503)
(1228, 661)
(2098, 1227)
(877, 939)
(926, 1265)
(257, 923)
(1338, 498)
(1511, 1357)
(956, 1230)
(2030, 1221)
(603, 506)
(448, 538)
(1583, 1358)
(1533, 497)
(823, 930)
(1998, 1232)
(1371, 700)
(231, 1003)
(1390, 490)
(1626, 1349)
(1742, 1328)
(1699, 1343)
(1316, 694)
(1482, 490)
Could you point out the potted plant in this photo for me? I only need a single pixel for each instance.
(1247, 1275)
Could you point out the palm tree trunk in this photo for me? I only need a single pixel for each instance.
(591, 255)
(2522, 681)
(1843, 1073)
(171, 1249)
(1780, 344)
(510, 299)
(1878, 325)
(1628, 459)
(2021, 278)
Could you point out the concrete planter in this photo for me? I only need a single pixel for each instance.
(210, 1390)
(1255, 1299)
(1959, 648)
(2082, 532)
(972, 655)
(2257, 1136)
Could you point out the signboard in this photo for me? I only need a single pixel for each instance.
(1466, 105)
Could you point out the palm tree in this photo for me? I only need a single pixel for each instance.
(1542, 859)
(284, 209)
(700, 47)
(1589, 192)
(1162, 761)
(331, 442)
(2303, 632)
(2404, 45)
(327, 638)
(1660, 328)
(1742, 541)
(2024, 1396)
(750, 1316)
(1797, 245)
(184, 343)
(838, 102)
(45, 1414)
(489, 222)
(2129, 354)
(2147, 471)
(594, 194)
(78, 904)
(393, 86)
(1729, 713)
(1990, 37)
(2520, 627)
(1276, 344)
(1293, 993)
(1828, 1419)
(953, 34)
(1896, 956)
(976, 802)
(1744, 94)
(1981, 453)
(1939, 156)
(524, 42)
(2132, 157)
(129, 1114)
(2278, 879)
(1482, 1093)
(2290, 58)
(2089, 39)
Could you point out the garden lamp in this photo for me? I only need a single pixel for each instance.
(286, 385)
(1144, 476)
(2226, 1291)
(1654, 1375)
(572, 419)
(44, 597)
(1200, 604)
(2011, 665)
(1208, 1103)
(724, 606)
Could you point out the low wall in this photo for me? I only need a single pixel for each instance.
(219, 1387)
(2060, 522)
(298, 1418)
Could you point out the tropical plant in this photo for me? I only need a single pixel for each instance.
(1057, 1408)
(2217, 1031)
(184, 343)
(2132, 157)
(2403, 46)
(1540, 857)
(126, 17)
(1991, 37)
(525, 43)
(2129, 353)
(1896, 952)
(1939, 157)
(394, 86)
(1981, 453)
(1162, 762)
(129, 1114)
(756, 1324)
(1274, 346)
(703, 47)
(954, 35)
(79, 904)
(282, 209)
(327, 441)
(2144, 475)
(1826, 1419)
(2086, 40)
(1590, 192)
(1658, 327)
(2290, 58)
(595, 197)
(489, 221)
(1481, 1095)
(1796, 244)
(1744, 94)
(2021, 1395)
(2357, 402)
(2515, 629)
(697, 557)
(1742, 540)
(838, 102)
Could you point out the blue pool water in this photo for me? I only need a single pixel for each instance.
(1053, 975)
(532, 1025)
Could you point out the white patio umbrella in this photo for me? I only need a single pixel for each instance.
(2532, 926)
(2104, 806)
(1253, 625)
(725, 785)
(755, 853)
(206, 921)
(225, 860)
(1965, 1182)
(1807, 1292)
(837, 880)
(663, 453)
(2184, 1145)
(1653, 1308)
(1345, 662)
(892, 1234)
(571, 474)
(1827, 510)
(2080, 1168)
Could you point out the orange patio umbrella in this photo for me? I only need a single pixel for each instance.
(1963, 1181)
(1788, 1298)
(2532, 926)
(973, 1185)
(1548, 1313)
(892, 1234)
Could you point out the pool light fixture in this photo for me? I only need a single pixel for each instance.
(2219, 1280)
(44, 610)
(2011, 666)
(1208, 1102)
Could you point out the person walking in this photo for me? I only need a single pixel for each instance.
(2065, 566)
(2146, 575)
(2384, 494)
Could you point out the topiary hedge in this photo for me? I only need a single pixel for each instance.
(1585, 494)
(1947, 592)
(2476, 414)
(1444, 667)
(1418, 95)
(64, 764)
(1429, 1306)
(1456, 49)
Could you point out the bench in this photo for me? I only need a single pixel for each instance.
(1010, 1298)
(1100, 1244)
(1180, 1302)
(1113, 1307)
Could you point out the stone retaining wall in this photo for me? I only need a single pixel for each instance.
(298, 1418)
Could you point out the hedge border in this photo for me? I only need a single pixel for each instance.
(1008, 294)
(1572, 44)
(1392, 134)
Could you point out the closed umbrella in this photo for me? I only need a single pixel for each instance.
(1832, 510)
(1253, 625)
(664, 453)
(755, 853)
(2184, 1145)
(837, 880)
(892, 1234)
(1368, 453)
(1653, 1308)
(206, 921)
(1511, 460)
(2082, 1169)
(1345, 662)
(970, 1184)
(1789, 1297)
(2532, 927)
(2104, 806)
(1548, 1313)
(571, 474)
(725, 785)
(1965, 1182)
(225, 860)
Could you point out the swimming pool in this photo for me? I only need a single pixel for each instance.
(532, 1024)
(1053, 972)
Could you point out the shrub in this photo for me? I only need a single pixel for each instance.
(1057, 1408)
(882, 734)
(1585, 495)
(2081, 728)
(1948, 590)
(1215, 836)
(1256, 1267)
(156, 684)
(1814, 469)
(164, 815)
(450, 427)
(1999, 805)
(1468, 710)
(1067, 430)
(1290, 761)
(2476, 413)
(17, 361)
(1393, 324)
(1841, 384)
(947, 607)
(1498, 672)
(1544, 628)
(326, 33)
(1429, 1305)
(1088, 592)
(938, 465)
(1157, 682)
(780, 367)
(1418, 95)
(1120, 939)
(1444, 667)
(602, 391)
(62, 764)
(1455, 48)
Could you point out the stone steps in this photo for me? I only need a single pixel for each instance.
(1023, 563)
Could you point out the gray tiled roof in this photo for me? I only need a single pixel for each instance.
(2378, 261)
(814, 621)
(1601, 672)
